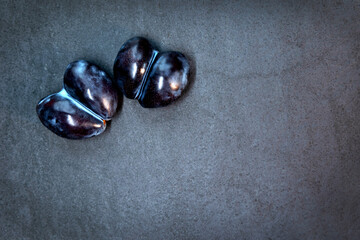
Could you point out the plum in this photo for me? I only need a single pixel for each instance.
(131, 63)
(92, 87)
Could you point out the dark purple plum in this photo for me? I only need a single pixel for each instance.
(166, 81)
(131, 65)
(67, 118)
(91, 86)
(156, 80)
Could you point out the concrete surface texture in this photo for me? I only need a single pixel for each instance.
(265, 144)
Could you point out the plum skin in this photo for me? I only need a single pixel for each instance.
(65, 118)
(91, 86)
(131, 63)
(167, 80)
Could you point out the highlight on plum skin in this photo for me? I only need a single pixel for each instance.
(80, 110)
(154, 79)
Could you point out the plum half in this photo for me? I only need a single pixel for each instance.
(81, 109)
(154, 79)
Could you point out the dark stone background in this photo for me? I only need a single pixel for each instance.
(264, 145)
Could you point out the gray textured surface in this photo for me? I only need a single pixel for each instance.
(264, 145)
